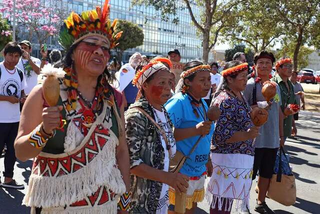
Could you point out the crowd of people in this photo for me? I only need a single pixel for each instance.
(108, 143)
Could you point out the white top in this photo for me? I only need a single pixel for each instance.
(10, 85)
(215, 79)
(124, 76)
(163, 123)
(31, 76)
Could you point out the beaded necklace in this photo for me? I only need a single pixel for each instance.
(195, 104)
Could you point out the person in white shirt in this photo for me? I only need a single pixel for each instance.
(30, 65)
(215, 81)
(12, 85)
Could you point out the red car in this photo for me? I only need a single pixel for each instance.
(317, 76)
(306, 77)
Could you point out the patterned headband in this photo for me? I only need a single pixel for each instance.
(235, 70)
(194, 70)
(152, 67)
(283, 61)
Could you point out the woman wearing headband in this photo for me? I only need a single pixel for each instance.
(81, 161)
(188, 112)
(232, 149)
(150, 140)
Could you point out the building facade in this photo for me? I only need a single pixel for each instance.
(314, 60)
(159, 36)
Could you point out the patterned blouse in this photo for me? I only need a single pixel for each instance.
(234, 117)
(145, 146)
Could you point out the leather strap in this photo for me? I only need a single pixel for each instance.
(162, 132)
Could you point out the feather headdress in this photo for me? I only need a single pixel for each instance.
(94, 22)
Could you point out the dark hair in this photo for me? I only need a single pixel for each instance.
(55, 55)
(187, 66)
(237, 55)
(68, 61)
(214, 64)
(190, 65)
(224, 84)
(12, 47)
(264, 54)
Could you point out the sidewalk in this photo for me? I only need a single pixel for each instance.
(304, 158)
(304, 154)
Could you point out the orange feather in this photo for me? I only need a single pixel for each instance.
(105, 12)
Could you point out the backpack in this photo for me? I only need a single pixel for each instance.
(19, 72)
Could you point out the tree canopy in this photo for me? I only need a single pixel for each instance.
(5, 32)
(132, 36)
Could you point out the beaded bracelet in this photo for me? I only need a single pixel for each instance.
(124, 202)
(36, 139)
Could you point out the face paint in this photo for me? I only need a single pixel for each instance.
(157, 91)
(84, 57)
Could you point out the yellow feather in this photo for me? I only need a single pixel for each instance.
(85, 15)
(114, 23)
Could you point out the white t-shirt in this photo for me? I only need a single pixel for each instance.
(31, 76)
(215, 79)
(163, 123)
(10, 85)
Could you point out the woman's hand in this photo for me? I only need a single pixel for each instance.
(51, 118)
(178, 181)
(203, 128)
(253, 132)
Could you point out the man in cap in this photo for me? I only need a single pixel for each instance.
(30, 65)
(271, 133)
(177, 66)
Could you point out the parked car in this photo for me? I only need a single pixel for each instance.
(306, 77)
(309, 70)
(317, 76)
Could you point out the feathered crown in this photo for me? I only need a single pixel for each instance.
(94, 22)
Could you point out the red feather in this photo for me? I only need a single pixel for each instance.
(105, 12)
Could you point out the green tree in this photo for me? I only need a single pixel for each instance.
(255, 24)
(288, 51)
(214, 16)
(299, 19)
(5, 32)
(132, 36)
(239, 48)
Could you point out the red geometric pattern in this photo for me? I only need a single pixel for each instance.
(100, 197)
(56, 167)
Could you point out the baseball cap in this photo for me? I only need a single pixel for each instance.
(25, 42)
(176, 51)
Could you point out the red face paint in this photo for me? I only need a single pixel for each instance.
(84, 57)
(157, 91)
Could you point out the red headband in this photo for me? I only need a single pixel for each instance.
(235, 70)
(283, 61)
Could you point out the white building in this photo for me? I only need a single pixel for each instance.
(314, 60)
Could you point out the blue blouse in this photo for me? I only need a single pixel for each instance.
(183, 114)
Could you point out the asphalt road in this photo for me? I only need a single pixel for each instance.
(304, 158)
